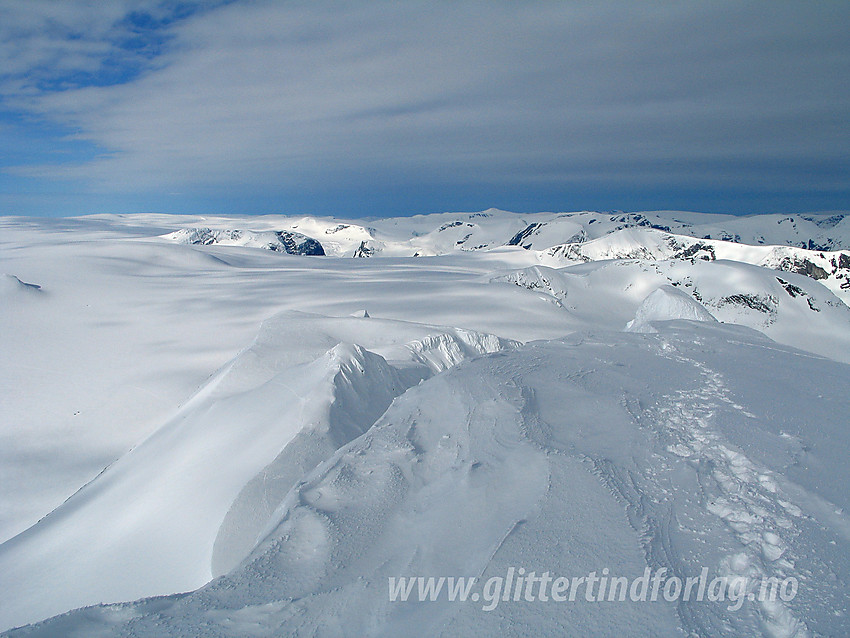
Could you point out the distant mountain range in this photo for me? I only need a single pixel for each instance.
(817, 246)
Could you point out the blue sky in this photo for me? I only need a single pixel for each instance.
(393, 108)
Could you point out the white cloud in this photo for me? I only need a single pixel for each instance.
(296, 94)
(41, 39)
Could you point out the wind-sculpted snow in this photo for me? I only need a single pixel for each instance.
(665, 304)
(12, 287)
(190, 501)
(442, 351)
(698, 446)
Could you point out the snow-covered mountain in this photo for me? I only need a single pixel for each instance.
(247, 437)
(278, 241)
(442, 233)
(791, 308)
(828, 232)
(816, 246)
(830, 268)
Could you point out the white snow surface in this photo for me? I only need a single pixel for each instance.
(665, 304)
(832, 268)
(247, 442)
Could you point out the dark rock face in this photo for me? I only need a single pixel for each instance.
(803, 267)
(754, 302)
(825, 222)
(363, 250)
(811, 245)
(298, 244)
(517, 239)
(697, 250)
(791, 289)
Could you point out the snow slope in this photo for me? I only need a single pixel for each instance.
(694, 446)
(832, 269)
(279, 433)
(790, 308)
(280, 408)
(125, 328)
(665, 304)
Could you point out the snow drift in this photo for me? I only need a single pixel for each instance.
(191, 501)
(664, 304)
(697, 446)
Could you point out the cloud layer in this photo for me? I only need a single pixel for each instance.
(293, 100)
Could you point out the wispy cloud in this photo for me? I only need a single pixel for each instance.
(301, 96)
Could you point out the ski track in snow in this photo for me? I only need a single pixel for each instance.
(741, 494)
